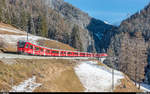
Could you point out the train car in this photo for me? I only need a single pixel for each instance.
(63, 53)
(102, 55)
(82, 54)
(48, 52)
(55, 53)
(25, 47)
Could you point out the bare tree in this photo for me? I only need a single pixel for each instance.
(132, 57)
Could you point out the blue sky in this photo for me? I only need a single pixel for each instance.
(112, 11)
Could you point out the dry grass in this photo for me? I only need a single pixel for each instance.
(126, 86)
(6, 25)
(3, 25)
(55, 45)
(5, 47)
(10, 33)
(55, 75)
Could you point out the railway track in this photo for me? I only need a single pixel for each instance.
(19, 56)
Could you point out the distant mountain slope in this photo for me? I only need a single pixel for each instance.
(99, 30)
(131, 45)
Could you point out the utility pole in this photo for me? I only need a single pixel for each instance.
(113, 62)
(27, 35)
(112, 79)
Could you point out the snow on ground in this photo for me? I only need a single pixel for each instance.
(145, 87)
(26, 86)
(106, 22)
(13, 39)
(97, 78)
(99, 35)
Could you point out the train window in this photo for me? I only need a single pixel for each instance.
(31, 47)
(69, 53)
(55, 52)
(21, 44)
(27, 46)
(36, 48)
(63, 52)
(42, 49)
(76, 53)
(82, 54)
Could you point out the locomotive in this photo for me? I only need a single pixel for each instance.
(26, 47)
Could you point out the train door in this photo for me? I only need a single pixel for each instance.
(21, 46)
(27, 49)
(31, 49)
(69, 53)
(55, 53)
(62, 53)
(47, 52)
(41, 51)
(36, 50)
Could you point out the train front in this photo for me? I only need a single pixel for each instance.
(21, 46)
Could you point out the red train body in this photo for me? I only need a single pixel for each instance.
(32, 49)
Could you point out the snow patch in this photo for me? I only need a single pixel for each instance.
(144, 87)
(99, 35)
(26, 86)
(13, 39)
(91, 62)
(106, 22)
(97, 78)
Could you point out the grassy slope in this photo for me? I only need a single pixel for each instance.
(126, 86)
(55, 75)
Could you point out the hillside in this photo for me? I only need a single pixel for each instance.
(58, 20)
(9, 37)
(100, 31)
(131, 46)
(59, 75)
(57, 24)
(54, 75)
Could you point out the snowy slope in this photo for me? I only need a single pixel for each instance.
(26, 86)
(13, 39)
(96, 78)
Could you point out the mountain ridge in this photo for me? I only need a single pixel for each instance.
(131, 46)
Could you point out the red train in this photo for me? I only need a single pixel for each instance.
(32, 49)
